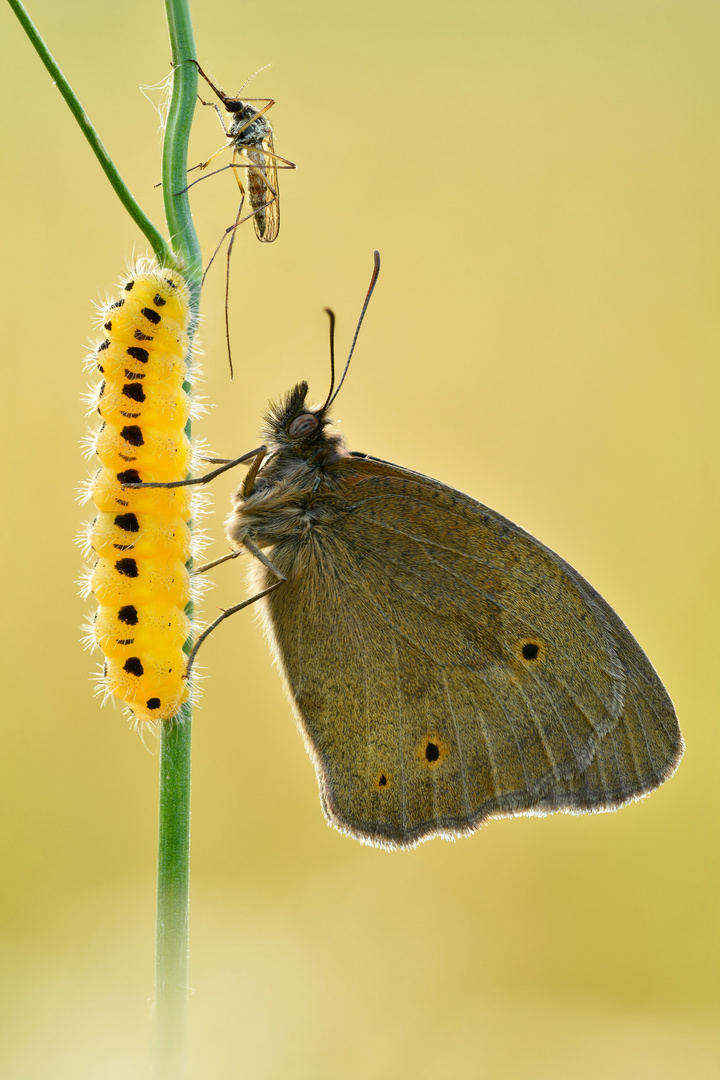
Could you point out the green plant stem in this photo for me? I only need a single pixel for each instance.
(173, 871)
(155, 239)
(171, 941)
(177, 133)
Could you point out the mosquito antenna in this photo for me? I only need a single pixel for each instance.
(331, 313)
(371, 286)
(250, 77)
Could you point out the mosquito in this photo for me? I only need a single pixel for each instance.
(249, 135)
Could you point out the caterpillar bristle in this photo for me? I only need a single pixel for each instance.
(87, 444)
(140, 538)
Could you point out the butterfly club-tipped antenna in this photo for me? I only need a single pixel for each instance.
(331, 396)
(331, 315)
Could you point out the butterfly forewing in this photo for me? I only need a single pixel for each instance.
(641, 751)
(446, 667)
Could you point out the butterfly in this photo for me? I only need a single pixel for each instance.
(444, 666)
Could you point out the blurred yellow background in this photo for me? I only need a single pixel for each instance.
(542, 179)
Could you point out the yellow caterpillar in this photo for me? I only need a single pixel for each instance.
(141, 536)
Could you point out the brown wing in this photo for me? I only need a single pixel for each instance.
(263, 194)
(446, 667)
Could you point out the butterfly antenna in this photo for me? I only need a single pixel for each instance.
(371, 286)
(331, 313)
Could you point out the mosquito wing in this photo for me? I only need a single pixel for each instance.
(262, 187)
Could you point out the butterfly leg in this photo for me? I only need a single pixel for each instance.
(257, 454)
(249, 484)
(254, 550)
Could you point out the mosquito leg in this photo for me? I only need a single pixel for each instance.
(205, 176)
(230, 229)
(258, 114)
(214, 105)
(227, 273)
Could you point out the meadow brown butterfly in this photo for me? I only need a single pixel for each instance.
(444, 666)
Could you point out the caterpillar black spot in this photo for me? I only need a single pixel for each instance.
(141, 537)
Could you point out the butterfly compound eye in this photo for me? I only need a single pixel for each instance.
(303, 425)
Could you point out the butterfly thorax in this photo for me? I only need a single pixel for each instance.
(289, 499)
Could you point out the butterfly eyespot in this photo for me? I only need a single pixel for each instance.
(530, 650)
(383, 781)
(303, 425)
(140, 623)
(431, 751)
